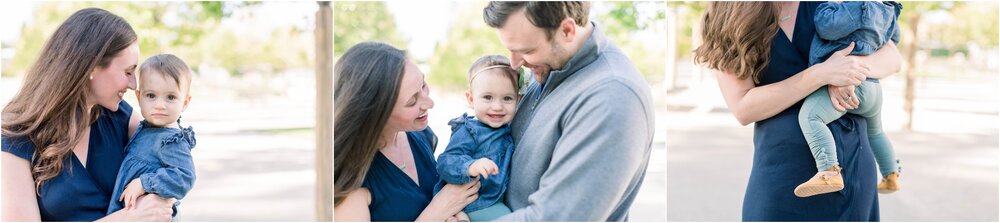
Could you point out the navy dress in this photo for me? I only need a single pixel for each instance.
(78, 193)
(782, 159)
(395, 197)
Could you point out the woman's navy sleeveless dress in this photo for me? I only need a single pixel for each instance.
(782, 159)
(79, 193)
(395, 197)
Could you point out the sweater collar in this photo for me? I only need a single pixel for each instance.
(587, 54)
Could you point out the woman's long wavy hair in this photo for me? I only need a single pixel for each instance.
(51, 106)
(367, 80)
(737, 37)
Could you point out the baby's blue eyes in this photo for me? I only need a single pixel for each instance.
(169, 97)
(504, 99)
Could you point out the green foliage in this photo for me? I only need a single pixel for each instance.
(468, 39)
(355, 22)
(968, 22)
(974, 22)
(623, 22)
(190, 30)
(688, 16)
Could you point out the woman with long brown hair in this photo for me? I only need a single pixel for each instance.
(65, 131)
(384, 168)
(759, 52)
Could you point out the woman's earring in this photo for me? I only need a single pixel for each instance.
(91, 77)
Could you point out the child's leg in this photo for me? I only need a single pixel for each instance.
(816, 112)
(490, 213)
(870, 94)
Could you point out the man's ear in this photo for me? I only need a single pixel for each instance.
(567, 30)
(468, 98)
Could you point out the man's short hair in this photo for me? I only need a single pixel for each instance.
(545, 15)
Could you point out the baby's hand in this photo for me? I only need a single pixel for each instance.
(132, 192)
(483, 167)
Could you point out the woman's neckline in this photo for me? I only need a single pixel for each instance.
(790, 35)
(401, 170)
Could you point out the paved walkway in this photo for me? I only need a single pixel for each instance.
(950, 159)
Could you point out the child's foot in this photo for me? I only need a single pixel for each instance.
(823, 182)
(889, 184)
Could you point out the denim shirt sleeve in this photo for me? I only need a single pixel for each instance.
(837, 20)
(177, 176)
(453, 163)
(898, 9)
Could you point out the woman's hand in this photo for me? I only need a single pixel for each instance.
(149, 207)
(450, 200)
(843, 97)
(460, 217)
(885, 61)
(132, 192)
(841, 70)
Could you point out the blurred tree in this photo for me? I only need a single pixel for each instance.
(624, 22)
(191, 30)
(355, 22)
(913, 38)
(468, 39)
(684, 29)
(689, 17)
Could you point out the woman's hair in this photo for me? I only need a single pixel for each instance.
(170, 66)
(489, 63)
(50, 108)
(367, 79)
(737, 37)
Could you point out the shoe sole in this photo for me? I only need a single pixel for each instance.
(887, 190)
(808, 191)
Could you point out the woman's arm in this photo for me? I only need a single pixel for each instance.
(20, 204)
(751, 103)
(449, 201)
(19, 201)
(354, 207)
(148, 208)
(884, 62)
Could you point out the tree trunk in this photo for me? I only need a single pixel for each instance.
(324, 112)
(911, 73)
(670, 73)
